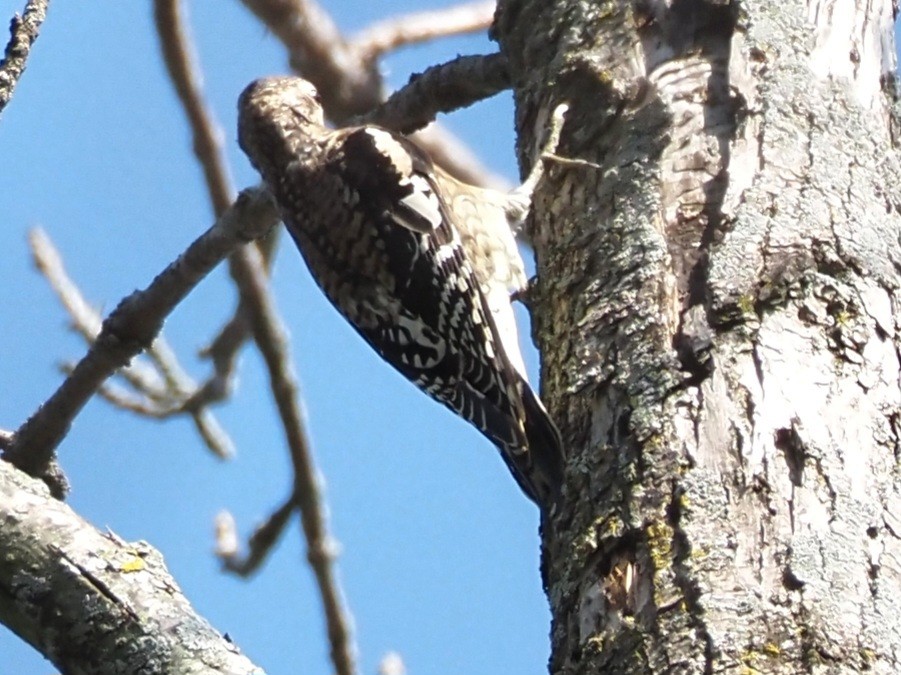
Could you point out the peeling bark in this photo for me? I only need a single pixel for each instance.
(719, 311)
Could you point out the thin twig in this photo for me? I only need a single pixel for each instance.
(184, 71)
(133, 326)
(442, 88)
(181, 63)
(165, 396)
(247, 268)
(409, 29)
(23, 32)
(348, 85)
(125, 400)
(85, 319)
(271, 338)
(260, 544)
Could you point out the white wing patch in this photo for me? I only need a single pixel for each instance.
(390, 148)
(420, 210)
(422, 204)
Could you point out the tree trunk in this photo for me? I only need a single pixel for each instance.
(719, 252)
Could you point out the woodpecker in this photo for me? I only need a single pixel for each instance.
(420, 264)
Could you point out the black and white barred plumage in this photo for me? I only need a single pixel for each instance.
(420, 264)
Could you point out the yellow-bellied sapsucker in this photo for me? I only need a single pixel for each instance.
(420, 264)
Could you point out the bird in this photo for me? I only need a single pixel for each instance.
(420, 264)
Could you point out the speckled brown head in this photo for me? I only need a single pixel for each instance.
(276, 115)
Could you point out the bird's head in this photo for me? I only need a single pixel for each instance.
(272, 110)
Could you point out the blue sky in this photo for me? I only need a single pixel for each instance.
(439, 549)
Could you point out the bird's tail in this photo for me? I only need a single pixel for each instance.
(529, 441)
(546, 454)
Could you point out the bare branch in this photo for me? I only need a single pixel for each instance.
(409, 29)
(211, 432)
(348, 85)
(23, 32)
(260, 543)
(161, 396)
(182, 397)
(184, 72)
(123, 398)
(85, 319)
(272, 341)
(181, 63)
(134, 324)
(178, 53)
(442, 88)
(247, 269)
(59, 571)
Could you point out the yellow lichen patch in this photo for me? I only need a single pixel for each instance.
(772, 649)
(843, 317)
(611, 527)
(867, 656)
(699, 553)
(749, 661)
(746, 304)
(136, 564)
(585, 544)
(660, 540)
(752, 659)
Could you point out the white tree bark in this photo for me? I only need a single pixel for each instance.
(92, 603)
(718, 305)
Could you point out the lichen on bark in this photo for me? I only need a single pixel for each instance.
(718, 311)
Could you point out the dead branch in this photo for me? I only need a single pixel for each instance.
(258, 307)
(409, 29)
(258, 546)
(133, 326)
(184, 72)
(442, 88)
(164, 389)
(348, 85)
(181, 62)
(23, 32)
(272, 341)
(59, 573)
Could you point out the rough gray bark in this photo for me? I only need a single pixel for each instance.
(718, 307)
(92, 603)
